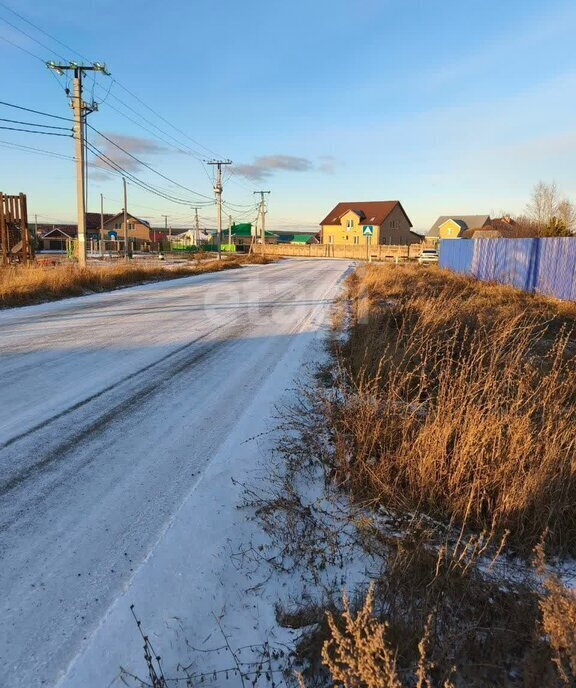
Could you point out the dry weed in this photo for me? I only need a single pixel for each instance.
(24, 285)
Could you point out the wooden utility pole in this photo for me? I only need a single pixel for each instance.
(81, 109)
(218, 194)
(126, 257)
(262, 213)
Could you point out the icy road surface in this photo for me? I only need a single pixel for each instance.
(113, 408)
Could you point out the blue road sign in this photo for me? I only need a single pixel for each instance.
(367, 230)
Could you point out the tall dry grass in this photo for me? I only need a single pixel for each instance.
(20, 285)
(458, 399)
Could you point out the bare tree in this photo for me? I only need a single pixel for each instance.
(543, 205)
(548, 213)
(567, 214)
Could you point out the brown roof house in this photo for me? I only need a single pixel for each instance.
(137, 228)
(454, 226)
(345, 223)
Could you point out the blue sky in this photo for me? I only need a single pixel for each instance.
(447, 106)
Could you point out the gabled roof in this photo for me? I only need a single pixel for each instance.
(69, 232)
(464, 221)
(301, 238)
(132, 217)
(93, 220)
(372, 212)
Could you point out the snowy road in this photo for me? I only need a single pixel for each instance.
(113, 407)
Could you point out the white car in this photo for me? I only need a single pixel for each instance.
(428, 255)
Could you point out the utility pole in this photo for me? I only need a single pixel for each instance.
(218, 194)
(230, 233)
(197, 226)
(262, 212)
(126, 258)
(102, 225)
(81, 109)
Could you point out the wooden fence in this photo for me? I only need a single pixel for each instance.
(15, 241)
(358, 252)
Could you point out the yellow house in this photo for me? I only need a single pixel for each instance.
(454, 226)
(137, 228)
(345, 224)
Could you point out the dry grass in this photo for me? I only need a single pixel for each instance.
(458, 399)
(21, 286)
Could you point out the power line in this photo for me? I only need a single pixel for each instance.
(24, 50)
(142, 126)
(197, 143)
(141, 162)
(194, 153)
(42, 45)
(32, 149)
(36, 112)
(32, 124)
(139, 182)
(32, 131)
(43, 31)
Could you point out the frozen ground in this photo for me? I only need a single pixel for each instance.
(124, 418)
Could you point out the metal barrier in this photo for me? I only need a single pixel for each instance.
(541, 265)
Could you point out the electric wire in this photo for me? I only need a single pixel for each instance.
(141, 162)
(36, 112)
(33, 131)
(42, 45)
(32, 149)
(33, 124)
(139, 182)
(25, 50)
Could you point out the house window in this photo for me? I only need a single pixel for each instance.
(393, 224)
(356, 240)
(349, 224)
(330, 238)
(117, 225)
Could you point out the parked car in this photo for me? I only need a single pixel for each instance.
(428, 255)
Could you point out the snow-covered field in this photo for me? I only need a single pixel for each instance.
(125, 417)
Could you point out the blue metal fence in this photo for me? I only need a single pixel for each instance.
(544, 266)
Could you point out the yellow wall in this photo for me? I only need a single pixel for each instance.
(136, 230)
(342, 235)
(449, 230)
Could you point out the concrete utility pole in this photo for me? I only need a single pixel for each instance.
(218, 194)
(197, 226)
(262, 212)
(81, 109)
(102, 225)
(126, 257)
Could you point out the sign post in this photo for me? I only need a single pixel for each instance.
(367, 231)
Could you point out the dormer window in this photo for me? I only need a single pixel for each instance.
(349, 224)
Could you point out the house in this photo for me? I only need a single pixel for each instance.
(298, 238)
(454, 226)
(57, 238)
(137, 228)
(345, 222)
(244, 234)
(505, 228)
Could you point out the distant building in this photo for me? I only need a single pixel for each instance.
(298, 238)
(137, 228)
(454, 226)
(345, 222)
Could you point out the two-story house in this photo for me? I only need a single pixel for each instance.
(345, 224)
